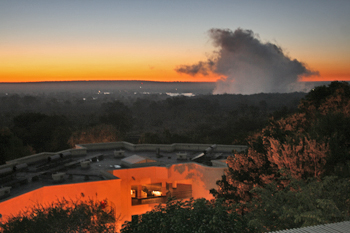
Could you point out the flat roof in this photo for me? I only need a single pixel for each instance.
(33, 175)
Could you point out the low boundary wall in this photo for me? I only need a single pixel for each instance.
(161, 147)
(43, 156)
(81, 150)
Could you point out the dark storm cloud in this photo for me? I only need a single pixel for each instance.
(249, 65)
(199, 68)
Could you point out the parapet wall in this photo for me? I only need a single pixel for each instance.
(81, 150)
(43, 156)
(161, 147)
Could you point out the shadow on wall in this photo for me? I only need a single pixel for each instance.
(203, 178)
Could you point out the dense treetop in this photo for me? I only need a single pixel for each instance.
(58, 121)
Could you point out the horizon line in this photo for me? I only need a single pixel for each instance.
(150, 81)
(67, 81)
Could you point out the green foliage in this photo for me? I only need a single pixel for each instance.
(117, 114)
(46, 121)
(187, 216)
(226, 191)
(334, 128)
(301, 203)
(330, 123)
(63, 216)
(94, 134)
(320, 94)
(11, 147)
(312, 143)
(42, 132)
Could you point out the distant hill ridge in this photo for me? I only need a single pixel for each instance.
(150, 86)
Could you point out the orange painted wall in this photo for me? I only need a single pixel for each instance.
(136, 176)
(98, 190)
(203, 178)
(117, 191)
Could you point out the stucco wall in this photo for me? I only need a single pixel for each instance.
(202, 178)
(117, 191)
(97, 190)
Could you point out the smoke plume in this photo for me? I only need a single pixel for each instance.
(247, 65)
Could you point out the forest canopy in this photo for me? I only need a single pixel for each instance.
(52, 122)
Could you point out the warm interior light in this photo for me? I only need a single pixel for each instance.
(157, 193)
(143, 194)
(133, 193)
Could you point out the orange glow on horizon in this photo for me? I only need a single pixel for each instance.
(151, 78)
(89, 62)
(99, 74)
(164, 78)
(325, 79)
(37, 70)
(101, 66)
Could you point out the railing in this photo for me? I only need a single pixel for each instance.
(151, 200)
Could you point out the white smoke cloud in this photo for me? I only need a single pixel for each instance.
(249, 66)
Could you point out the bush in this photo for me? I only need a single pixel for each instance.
(63, 216)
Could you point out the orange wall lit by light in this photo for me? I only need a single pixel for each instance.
(97, 190)
(117, 191)
(202, 179)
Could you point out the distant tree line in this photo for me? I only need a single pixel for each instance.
(33, 124)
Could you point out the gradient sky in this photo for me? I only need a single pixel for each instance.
(147, 39)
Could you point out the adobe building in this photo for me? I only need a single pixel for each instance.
(133, 178)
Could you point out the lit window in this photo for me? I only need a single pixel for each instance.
(143, 194)
(157, 193)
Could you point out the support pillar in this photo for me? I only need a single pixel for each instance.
(163, 188)
(174, 184)
(139, 188)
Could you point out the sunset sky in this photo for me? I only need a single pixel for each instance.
(62, 40)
